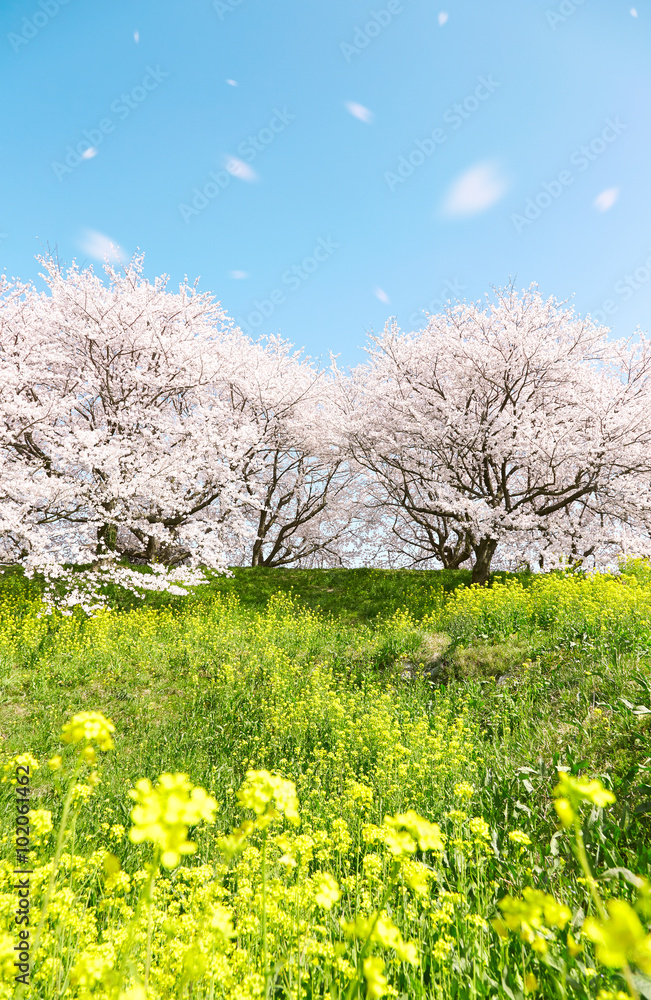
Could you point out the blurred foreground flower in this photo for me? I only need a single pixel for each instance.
(572, 792)
(620, 939)
(90, 727)
(261, 790)
(165, 811)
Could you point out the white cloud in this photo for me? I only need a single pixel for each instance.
(443, 16)
(606, 199)
(381, 295)
(89, 153)
(99, 246)
(232, 83)
(238, 274)
(475, 190)
(240, 169)
(359, 111)
(136, 36)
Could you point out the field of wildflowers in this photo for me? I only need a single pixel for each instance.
(426, 790)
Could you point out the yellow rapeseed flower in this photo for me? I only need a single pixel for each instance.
(21, 760)
(518, 837)
(426, 835)
(326, 890)
(531, 917)
(417, 876)
(164, 812)
(40, 825)
(81, 792)
(480, 828)
(381, 930)
(7, 957)
(621, 938)
(572, 792)
(261, 789)
(376, 981)
(89, 727)
(573, 946)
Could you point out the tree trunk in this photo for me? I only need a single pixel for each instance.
(107, 537)
(484, 552)
(257, 556)
(151, 552)
(452, 556)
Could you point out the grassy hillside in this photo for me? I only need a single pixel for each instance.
(376, 693)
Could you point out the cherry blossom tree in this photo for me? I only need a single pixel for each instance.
(491, 422)
(115, 437)
(140, 426)
(301, 495)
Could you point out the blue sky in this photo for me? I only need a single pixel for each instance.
(322, 166)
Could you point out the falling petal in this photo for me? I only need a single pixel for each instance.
(240, 169)
(606, 199)
(475, 190)
(633, 12)
(381, 295)
(359, 111)
(232, 83)
(99, 246)
(443, 16)
(238, 274)
(89, 153)
(136, 36)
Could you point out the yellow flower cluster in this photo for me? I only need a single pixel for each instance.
(464, 790)
(378, 928)
(532, 917)
(164, 812)
(602, 609)
(572, 792)
(21, 760)
(621, 938)
(269, 796)
(89, 727)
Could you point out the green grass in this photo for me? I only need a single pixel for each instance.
(353, 595)
(402, 683)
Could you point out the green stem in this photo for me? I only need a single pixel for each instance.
(587, 871)
(146, 894)
(264, 913)
(298, 937)
(150, 926)
(596, 898)
(395, 869)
